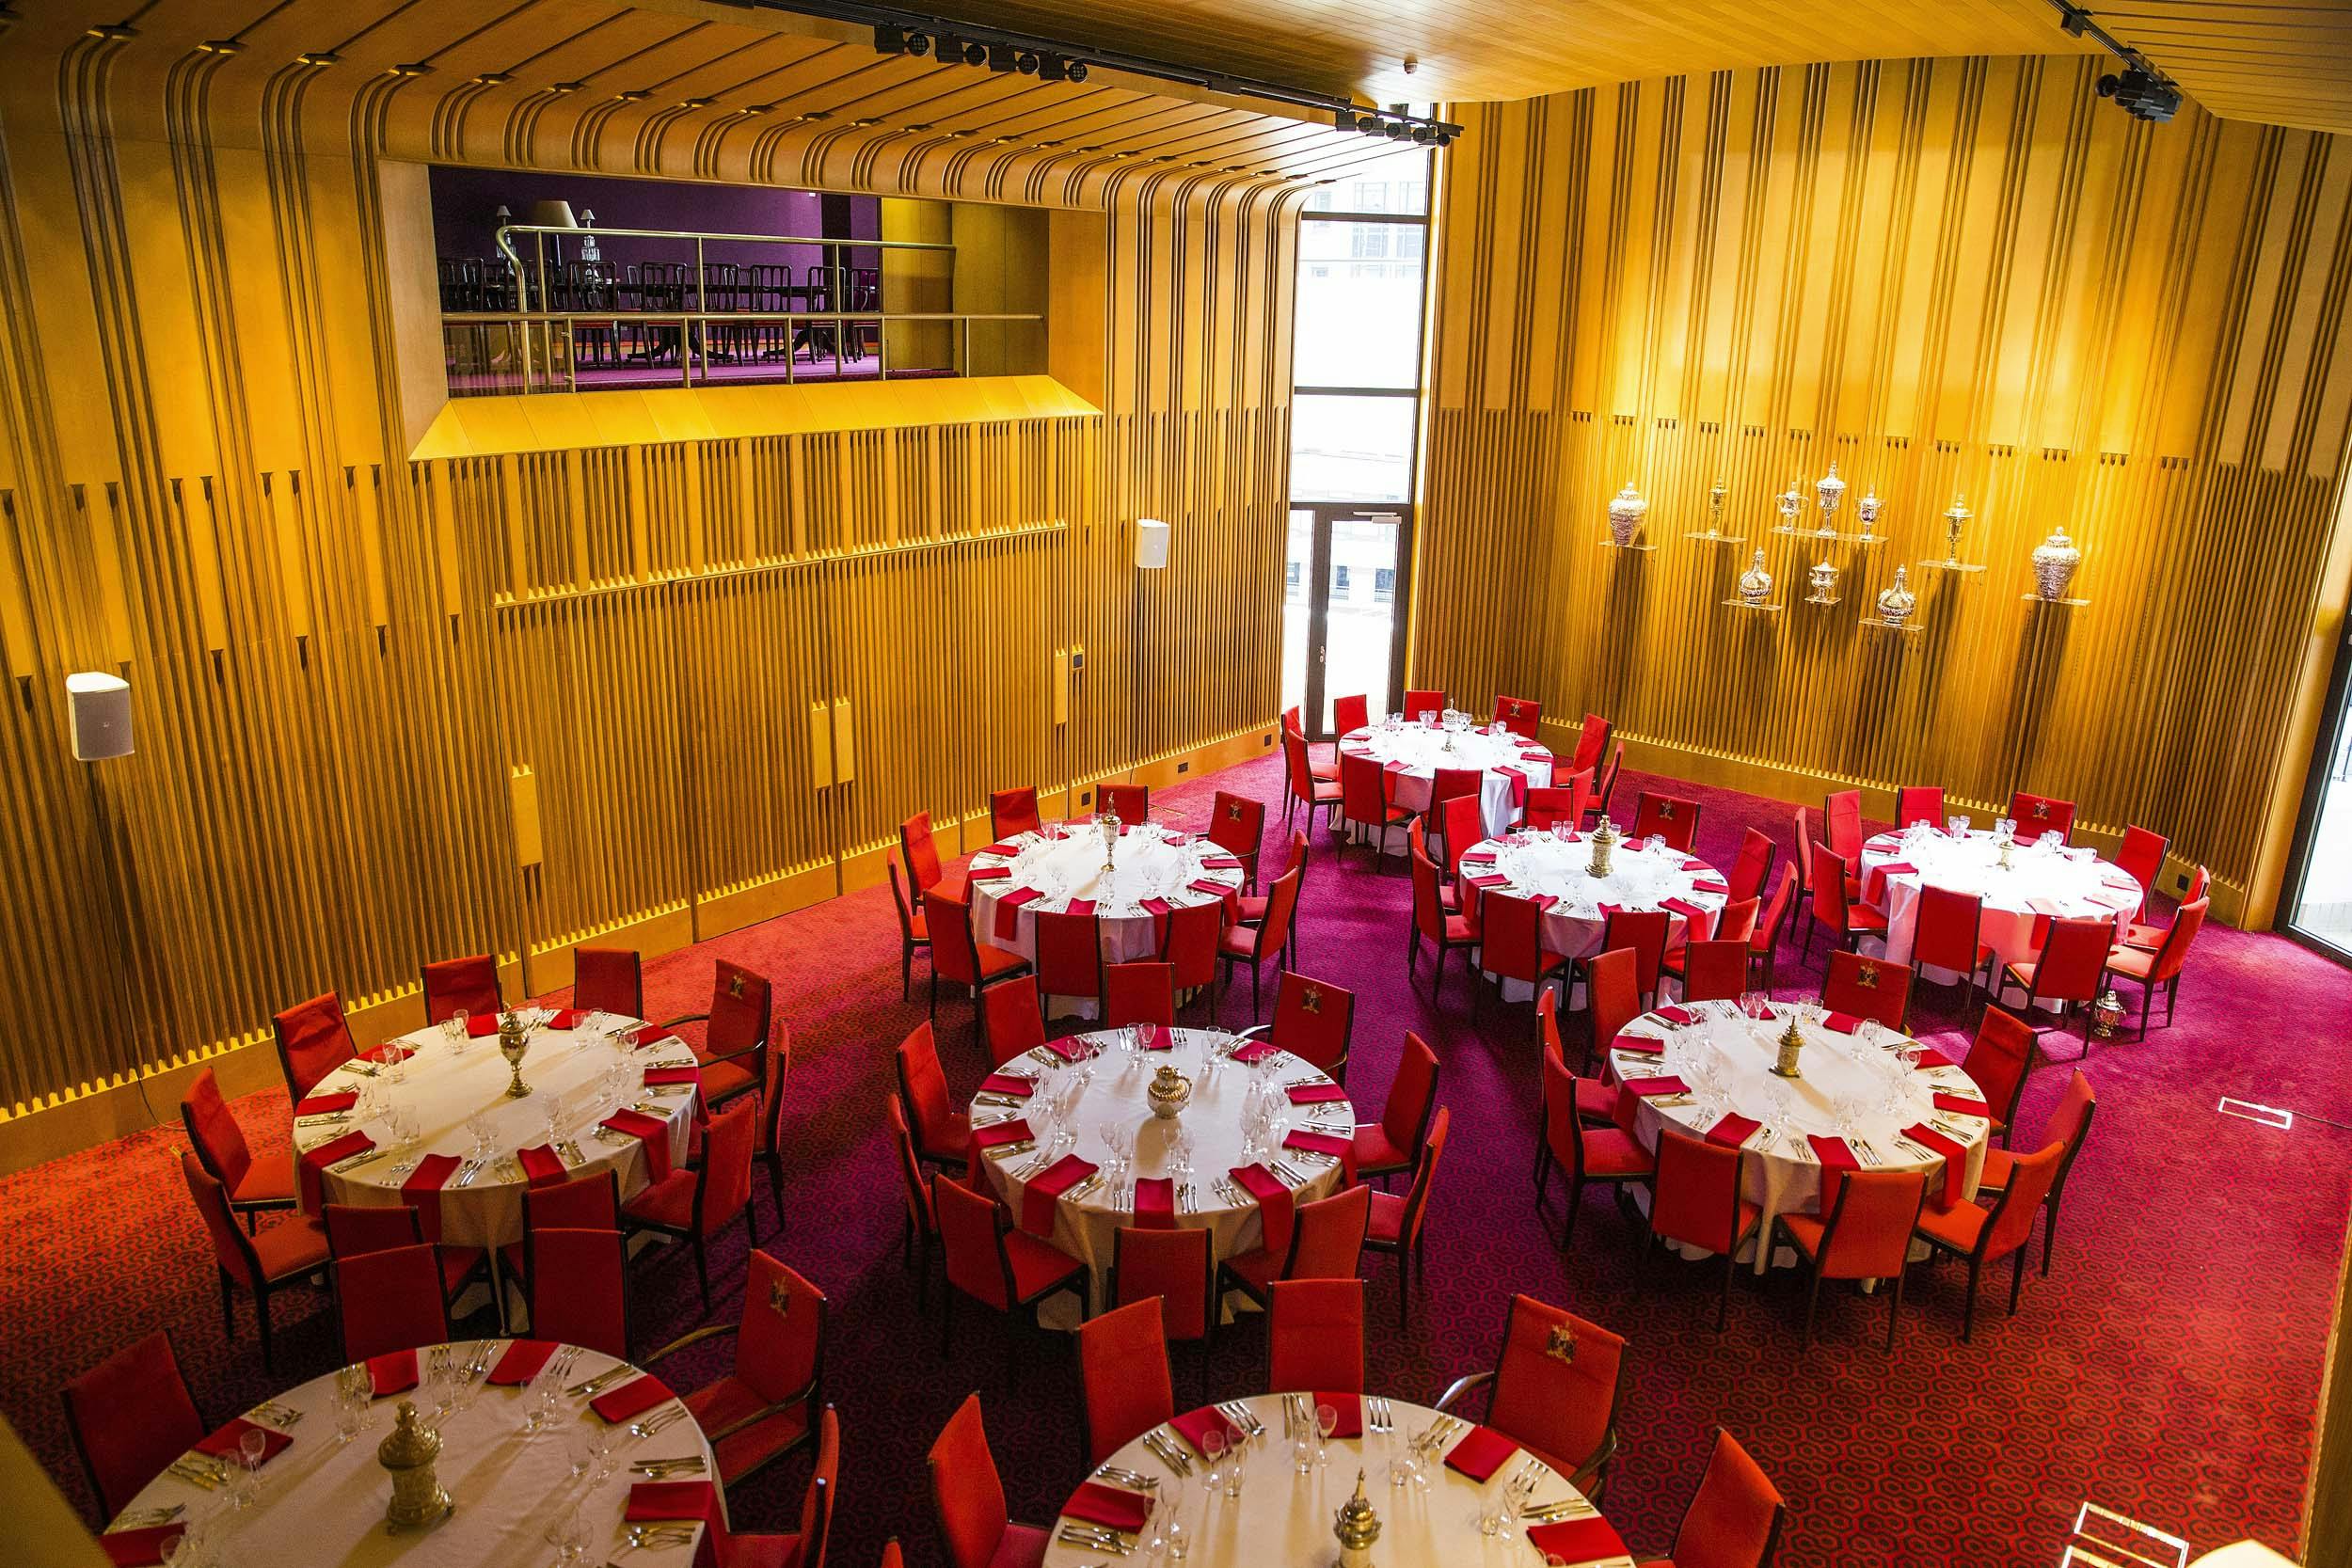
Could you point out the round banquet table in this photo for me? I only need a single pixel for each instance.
(1509, 765)
(1842, 1094)
(448, 1082)
(1283, 1517)
(1108, 1106)
(1063, 865)
(2070, 883)
(321, 1499)
(1547, 865)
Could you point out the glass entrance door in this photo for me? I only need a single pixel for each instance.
(2320, 894)
(1344, 594)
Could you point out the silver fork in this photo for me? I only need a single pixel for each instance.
(666, 1415)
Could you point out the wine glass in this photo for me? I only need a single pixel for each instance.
(1326, 1422)
(567, 1533)
(1213, 1450)
(454, 1027)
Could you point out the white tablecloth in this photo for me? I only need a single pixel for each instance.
(1842, 1094)
(322, 1501)
(1111, 1105)
(1284, 1518)
(1639, 880)
(1422, 751)
(2063, 885)
(447, 1083)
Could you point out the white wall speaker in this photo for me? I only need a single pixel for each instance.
(102, 715)
(1151, 544)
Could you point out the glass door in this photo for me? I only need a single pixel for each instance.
(1343, 591)
(2319, 908)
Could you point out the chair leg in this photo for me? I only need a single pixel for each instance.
(2049, 1237)
(906, 971)
(1895, 1312)
(1812, 1304)
(1722, 1306)
(701, 1271)
(2016, 1279)
(1968, 1313)
(260, 1316)
(1576, 1201)
(775, 1188)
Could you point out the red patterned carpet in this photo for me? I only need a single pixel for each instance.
(2170, 1368)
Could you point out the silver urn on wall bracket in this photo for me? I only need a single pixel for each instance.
(1789, 504)
(1756, 583)
(1897, 603)
(1867, 512)
(1824, 581)
(1624, 515)
(1828, 491)
(2055, 562)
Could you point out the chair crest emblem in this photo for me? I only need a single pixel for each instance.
(1560, 1347)
(1666, 809)
(779, 1299)
(1232, 811)
(2041, 810)
(735, 983)
(1865, 979)
(1311, 1000)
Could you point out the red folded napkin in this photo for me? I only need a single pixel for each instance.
(327, 1106)
(1081, 906)
(997, 849)
(630, 1399)
(1069, 1049)
(650, 1033)
(1276, 1206)
(1673, 1015)
(650, 1131)
(671, 1500)
(1834, 1154)
(1698, 865)
(1253, 1050)
(1109, 1505)
(541, 1165)
(1492, 879)
(1317, 1094)
(1013, 1131)
(140, 1548)
(1044, 1194)
(422, 1191)
(224, 1443)
(1898, 868)
(1195, 1425)
(315, 1163)
(1155, 1203)
(1008, 912)
(566, 1018)
(1710, 884)
(1963, 1104)
(1341, 1149)
(521, 1363)
(1733, 1130)
(1576, 1541)
(1348, 1407)
(1155, 906)
(986, 873)
(1688, 910)
(1841, 1023)
(395, 1372)
(1202, 884)
(1220, 863)
(480, 1025)
(1929, 1059)
(1639, 1045)
(1884, 841)
(673, 1075)
(1608, 908)
(1518, 783)
(1478, 857)
(1955, 1158)
(1394, 767)
(1481, 1454)
(1545, 900)
(1009, 1084)
(1159, 1037)
(1666, 1084)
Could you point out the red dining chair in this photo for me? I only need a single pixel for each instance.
(390, 1301)
(1422, 702)
(590, 1202)
(920, 852)
(313, 1040)
(1130, 802)
(1326, 1242)
(1715, 969)
(2069, 970)
(1448, 785)
(1294, 723)
(353, 1228)
(1866, 1234)
(1177, 1268)
(1350, 714)
(1666, 817)
(1982, 1234)
(131, 1416)
(767, 1405)
(1592, 745)
(1764, 941)
(1919, 804)
(1013, 1019)
(922, 1220)
(1392, 1144)
(1734, 1519)
(914, 935)
(943, 1135)
(1948, 932)
(732, 1055)
(2160, 968)
(1547, 804)
(1556, 1389)
(1417, 842)
(1253, 906)
(255, 1185)
(1124, 1389)
(956, 957)
(1612, 999)
(1188, 950)
(1833, 910)
(1753, 865)
(1012, 812)
(2141, 855)
(1868, 988)
(1463, 817)
(805, 1547)
(1589, 1155)
(993, 1261)
(1315, 1336)
(1314, 1020)
(1513, 947)
(1069, 954)
(1237, 826)
(1736, 923)
(2069, 1123)
(1138, 993)
(695, 1205)
(1519, 715)
(2036, 815)
(1597, 1101)
(1398, 1224)
(286, 1254)
(2150, 936)
(611, 980)
(969, 1499)
(1999, 1061)
(1642, 930)
(1257, 946)
(1841, 826)
(578, 1291)
(1433, 924)
(1365, 803)
(1605, 789)
(1304, 787)
(1697, 1200)
(468, 985)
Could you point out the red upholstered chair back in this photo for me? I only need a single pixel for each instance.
(1328, 1241)
(2070, 964)
(1297, 765)
(1829, 886)
(824, 1479)
(1295, 858)
(2196, 888)
(1613, 992)
(1420, 702)
(1314, 1020)
(1669, 817)
(1756, 851)
(1948, 929)
(1767, 933)
(1363, 791)
(1316, 1337)
(1592, 744)
(1519, 715)
(1406, 1117)
(1016, 1018)
(2142, 855)
(1999, 1060)
(1453, 783)
(1736, 923)
(954, 957)
(911, 926)
(726, 1173)
(2070, 1118)
(1557, 1382)
(1236, 823)
(469, 985)
(1560, 1132)
(1548, 1026)
(1803, 859)
(781, 1345)
(1607, 788)
(1513, 929)
(1293, 721)
(214, 1133)
(1012, 812)
(2186, 922)
(1139, 993)
(1868, 988)
(1716, 970)
(1130, 802)
(2030, 1182)
(1644, 931)
(579, 1287)
(1069, 954)
(965, 1489)
(130, 1417)
(391, 1300)
(1274, 932)
(1428, 913)
(612, 979)
(970, 1239)
(1841, 824)
(353, 1228)
(1734, 1519)
(920, 852)
(1350, 714)
(924, 1084)
(231, 1250)
(1175, 1267)
(1919, 804)
(1697, 1193)
(591, 1202)
(919, 1191)
(1868, 1236)
(312, 1042)
(1463, 817)
(1551, 803)
(1123, 1383)
(1188, 945)
(1425, 1174)
(742, 1003)
(2036, 815)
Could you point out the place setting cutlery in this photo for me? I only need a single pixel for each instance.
(602, 1381)
(1242, 1416)
(1121, 1475)
(1170, 1449)
(661, 1535)
(271, 1412)
(202, 1469)
(1869, 1156)
(664, 1416)
(657, 1470)
(1096, 1538)
(1378, 1416)
(148, 1518)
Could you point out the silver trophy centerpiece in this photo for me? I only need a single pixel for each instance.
(1896, 603)
(1109, 823)
(1955, 518)
(1867, 512)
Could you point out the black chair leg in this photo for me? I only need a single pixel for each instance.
(1893, 1314)
(1968, 1313)
(261, 1315)
(1812, 1306)
(701, 1271)
(2016, 1279)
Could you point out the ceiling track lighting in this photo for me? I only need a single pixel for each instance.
(1397, 125)
(2139, 90)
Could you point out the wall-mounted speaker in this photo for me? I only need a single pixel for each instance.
(1151, 544)
(102, 715)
